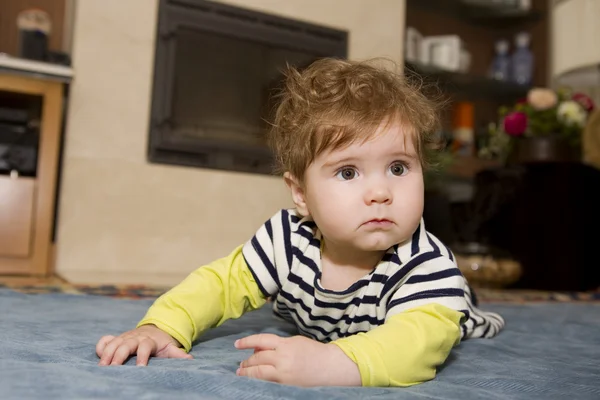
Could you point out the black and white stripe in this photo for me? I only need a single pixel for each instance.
(284, 257)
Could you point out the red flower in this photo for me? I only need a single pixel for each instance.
(584, 100)
(515, 123)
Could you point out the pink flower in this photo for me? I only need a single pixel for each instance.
(541, 98)
(585, 101)
(515, 123)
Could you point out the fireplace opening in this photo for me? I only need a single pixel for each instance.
(215, 69)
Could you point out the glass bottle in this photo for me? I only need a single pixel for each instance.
(522, 60)
(500, 67)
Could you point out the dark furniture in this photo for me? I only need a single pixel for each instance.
(548, 218)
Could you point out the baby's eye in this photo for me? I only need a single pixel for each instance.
(398, 169)
(346, 174)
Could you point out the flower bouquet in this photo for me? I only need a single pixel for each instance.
(557, 116)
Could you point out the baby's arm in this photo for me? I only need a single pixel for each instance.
(407, 348)
(422, 325)
(404, 351)
(209, 296)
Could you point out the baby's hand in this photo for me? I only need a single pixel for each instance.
(297, 361)
(146, 341)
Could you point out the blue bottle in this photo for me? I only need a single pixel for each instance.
(500, 67)
(522, 60)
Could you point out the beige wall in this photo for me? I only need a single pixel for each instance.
(576, 21)
(122, 219)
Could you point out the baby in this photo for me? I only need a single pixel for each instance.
(377, 300)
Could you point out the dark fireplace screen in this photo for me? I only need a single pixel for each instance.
(216, 67)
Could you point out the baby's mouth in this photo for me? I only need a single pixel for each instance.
(378, 223)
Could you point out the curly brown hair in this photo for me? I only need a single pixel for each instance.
(333, 103)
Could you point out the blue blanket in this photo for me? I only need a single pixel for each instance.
(548, 351)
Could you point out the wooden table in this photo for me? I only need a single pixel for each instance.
(27, 203)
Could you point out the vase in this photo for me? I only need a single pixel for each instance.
(543, 149)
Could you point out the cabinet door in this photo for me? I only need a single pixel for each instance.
(16, 216)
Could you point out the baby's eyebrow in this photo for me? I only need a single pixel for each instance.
(340, 161)
(404, 154)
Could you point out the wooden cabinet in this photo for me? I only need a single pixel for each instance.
(16, 216)
(27, 203)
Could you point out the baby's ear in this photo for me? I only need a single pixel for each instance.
(298, 196)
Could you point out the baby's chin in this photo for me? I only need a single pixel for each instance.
(379, 245)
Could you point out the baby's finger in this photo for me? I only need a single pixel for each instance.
(265, 357)
(104, 340)
(146, 348)
(261, 341)
(262, 372)
(127, 348)
(109, 351)
(176, 352)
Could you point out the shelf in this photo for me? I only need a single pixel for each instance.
(470, 85)
(478, 11)
(468, 167)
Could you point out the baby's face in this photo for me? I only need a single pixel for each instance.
(368, 196)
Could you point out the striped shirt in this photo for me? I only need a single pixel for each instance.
(285, 258)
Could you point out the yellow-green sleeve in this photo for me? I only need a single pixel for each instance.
(209, 296)
(407, 348)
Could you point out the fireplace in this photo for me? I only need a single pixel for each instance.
(214, 70)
